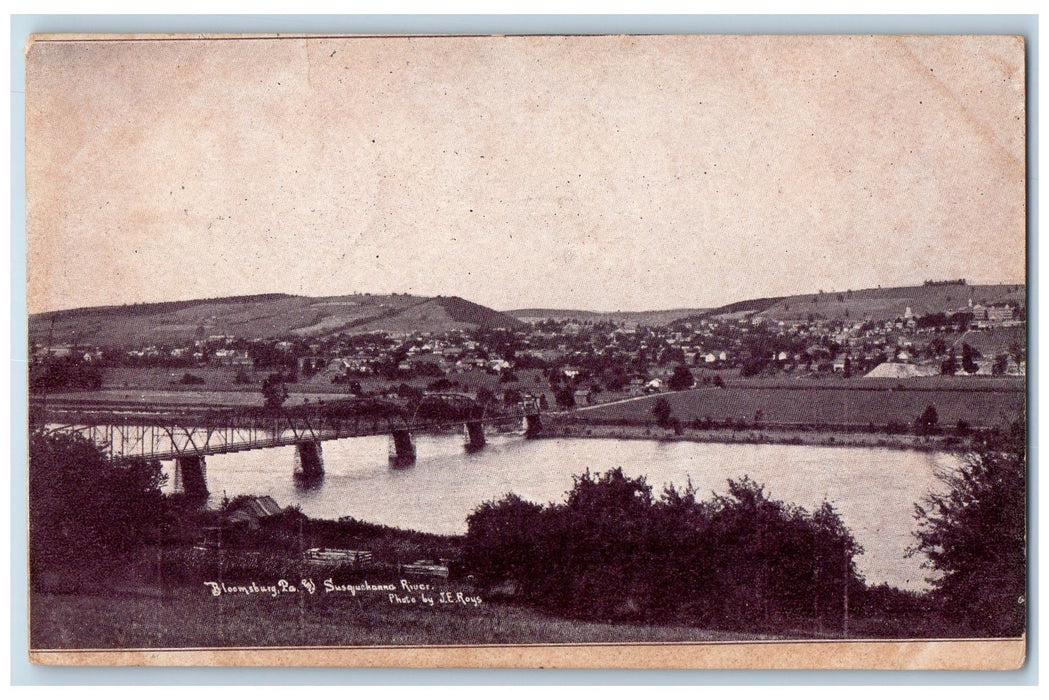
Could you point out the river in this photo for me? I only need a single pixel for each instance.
(874, 489)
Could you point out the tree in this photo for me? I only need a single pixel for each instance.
(503, 542)
(974, 535)
(949, 365)
(64, 374)
(84, 510)
(274, 391)
(613, 551)
(663, 412)
(565, 397)
(512, 397)
(485, 396)
(681, 379)
(927, 422)
(1018, 351)
(936, 347)
(969, 356)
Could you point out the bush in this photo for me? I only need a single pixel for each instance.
(975, 536)
(84, 510)
(613, 551)
(681, 379)
(928, 422)
(662, 412)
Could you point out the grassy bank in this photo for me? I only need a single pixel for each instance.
(763, 436)
(194, 618)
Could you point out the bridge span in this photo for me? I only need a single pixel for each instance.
(188, 434)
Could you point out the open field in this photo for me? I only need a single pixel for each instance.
(224, 379)
(857, 405)
(857, 402)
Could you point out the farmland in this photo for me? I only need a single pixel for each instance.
(976, 402)
(853, 403)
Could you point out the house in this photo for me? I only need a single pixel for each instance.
(997, 314)
(254, 512)
(636, 387)
(237, 526)
(56, 351)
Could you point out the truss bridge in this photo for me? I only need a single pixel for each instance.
(188, 434)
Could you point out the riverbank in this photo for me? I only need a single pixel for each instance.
(577, 429)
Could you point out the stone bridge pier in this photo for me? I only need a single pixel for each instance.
(475, 435)
(191, 476)
(309, 460)
(404, 448)
(533, 425)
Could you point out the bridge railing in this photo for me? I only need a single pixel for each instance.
(173, 432)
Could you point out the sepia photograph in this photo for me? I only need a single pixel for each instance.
(606, 351)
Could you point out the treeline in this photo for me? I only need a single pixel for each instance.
(64, 374)
(613, 551)
(944, 283)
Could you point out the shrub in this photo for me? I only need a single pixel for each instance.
(83, 509)
(975, 536)
(613, 551)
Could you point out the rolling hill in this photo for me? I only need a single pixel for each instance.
(878, 304)
(262, 316)
(280, 315)
(644, 318)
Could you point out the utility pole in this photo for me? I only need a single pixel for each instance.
(845, 596)
(302, 596)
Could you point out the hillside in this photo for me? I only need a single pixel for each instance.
(644, 318)
(262, 316)
(279, 315)
(878, 304)
(888, 303)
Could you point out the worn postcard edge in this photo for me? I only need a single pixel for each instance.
(900, 655)
(947, 655)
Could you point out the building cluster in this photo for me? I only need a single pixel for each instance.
(590, 358)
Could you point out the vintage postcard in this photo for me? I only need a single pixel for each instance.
(536, 351)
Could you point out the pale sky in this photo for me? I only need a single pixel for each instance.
(603, 173)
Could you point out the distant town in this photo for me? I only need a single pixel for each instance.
(570, 362)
